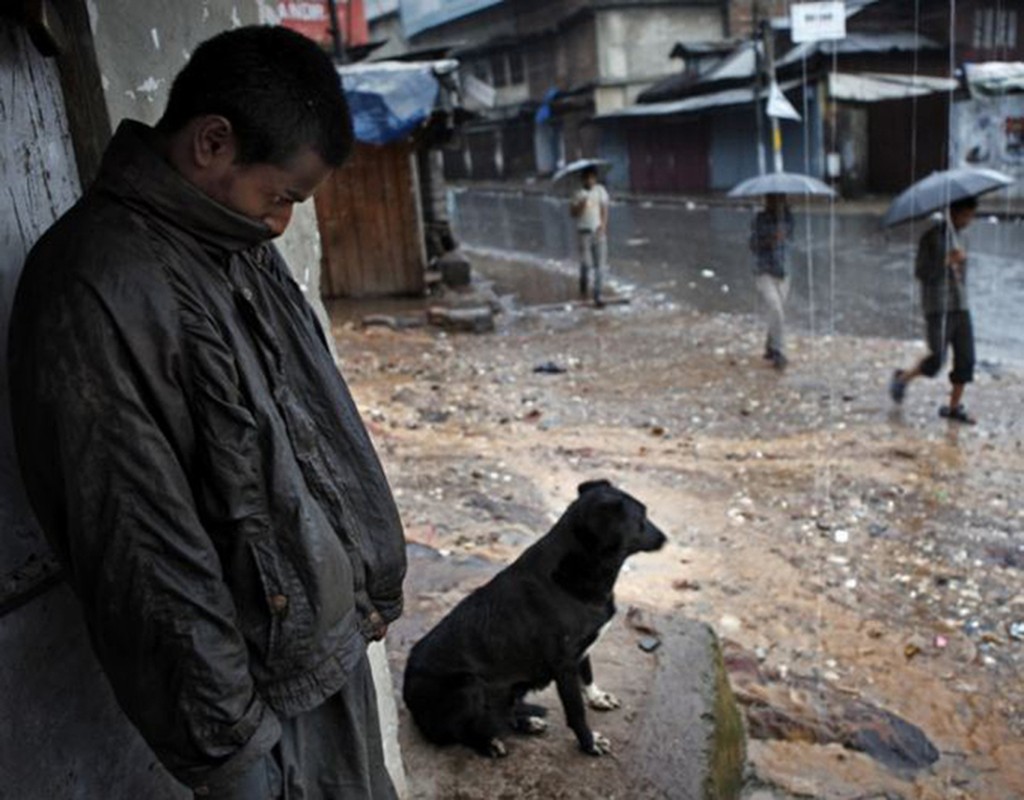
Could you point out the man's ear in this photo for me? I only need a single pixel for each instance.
(590, 485)
(213, 141)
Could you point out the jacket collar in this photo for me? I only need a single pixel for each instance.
(135, 172)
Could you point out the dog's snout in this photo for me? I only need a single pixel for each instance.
(653, 538)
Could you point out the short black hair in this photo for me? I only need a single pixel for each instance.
(588, 171)
(278, 89)
(967, 204)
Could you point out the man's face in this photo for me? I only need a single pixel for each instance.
(267, 193)
(962, 217)
(206, 153)
(589, 179)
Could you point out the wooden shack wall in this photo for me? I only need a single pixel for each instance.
(371, 225)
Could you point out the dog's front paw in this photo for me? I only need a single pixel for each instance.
(599, 745)
(600, 700)
(496, 749)
(533, 726)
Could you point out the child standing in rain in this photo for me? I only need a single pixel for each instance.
(771, 233)
(941, 268)
(589, 207)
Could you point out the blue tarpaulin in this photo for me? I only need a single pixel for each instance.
(391, 99)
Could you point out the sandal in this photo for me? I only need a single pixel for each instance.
(897, 387)
(958, 414)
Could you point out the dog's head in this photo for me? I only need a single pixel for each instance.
(611, 521)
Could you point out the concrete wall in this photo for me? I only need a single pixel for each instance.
(633, 46)
(65, 736)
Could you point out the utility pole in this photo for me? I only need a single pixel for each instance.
(758, 77)
(769, 51)
(337, 39)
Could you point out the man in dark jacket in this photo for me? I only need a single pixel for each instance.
(941, 269)
(191, 450)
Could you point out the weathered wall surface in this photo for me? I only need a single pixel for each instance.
(633, 47)
(39, 182)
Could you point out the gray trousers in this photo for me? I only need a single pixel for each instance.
(333, 752)
(774, 291)
(593, 257)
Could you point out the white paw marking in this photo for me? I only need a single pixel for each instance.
(602, 746)
(497, 748)
(534, 725)
(600, 700)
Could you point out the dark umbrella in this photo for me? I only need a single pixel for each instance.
(939, 189)
(781, 183)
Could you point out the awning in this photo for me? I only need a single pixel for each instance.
(994, 78)
(873, 87)
(391, 99)
(689, 105)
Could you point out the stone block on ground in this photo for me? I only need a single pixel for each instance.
(456, 270)
(467, 320)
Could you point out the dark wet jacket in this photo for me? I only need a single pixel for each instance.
(769, 248)
(196, 459)
(943, 288)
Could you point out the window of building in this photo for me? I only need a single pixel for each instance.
(995, 29)
(482, 70)
(516, 69)
(499, 68)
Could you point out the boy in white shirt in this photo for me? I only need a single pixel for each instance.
(589, 207)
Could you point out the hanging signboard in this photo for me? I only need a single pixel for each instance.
(312, 18)
(814, 22)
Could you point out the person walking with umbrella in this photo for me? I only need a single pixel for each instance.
(941, 269)
(770, 235)
(589, 207)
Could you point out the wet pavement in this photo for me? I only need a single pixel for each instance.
(698, 256)
(869, 558)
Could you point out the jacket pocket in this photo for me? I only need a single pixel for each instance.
(288, 612)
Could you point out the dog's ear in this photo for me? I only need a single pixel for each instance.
(590, 485)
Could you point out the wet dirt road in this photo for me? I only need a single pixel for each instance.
(862, 555)
(698, 256)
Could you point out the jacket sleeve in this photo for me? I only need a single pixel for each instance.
(930, 265)
(113, 495)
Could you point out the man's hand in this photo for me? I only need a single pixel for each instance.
(374, 627)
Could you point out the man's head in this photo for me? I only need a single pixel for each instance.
(962, 212)
(256, 120)
(589, 177)
(775, 203)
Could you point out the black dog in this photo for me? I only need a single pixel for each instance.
(533, 623)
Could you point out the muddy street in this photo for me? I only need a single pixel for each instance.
(848, 274)
(853, 559)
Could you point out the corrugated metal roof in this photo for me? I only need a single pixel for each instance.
(897, 42)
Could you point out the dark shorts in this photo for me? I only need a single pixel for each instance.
(953, 329)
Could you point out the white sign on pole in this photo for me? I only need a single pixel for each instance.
(813, 22)
(779, 106)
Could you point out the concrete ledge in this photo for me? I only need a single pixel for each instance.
(690, 743)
